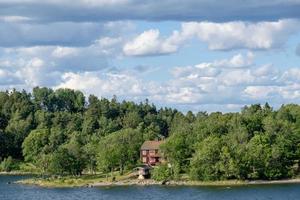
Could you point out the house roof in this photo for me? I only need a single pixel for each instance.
(151, 145)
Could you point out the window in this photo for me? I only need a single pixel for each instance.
(152, 152)
(144, 159)
(144, 152)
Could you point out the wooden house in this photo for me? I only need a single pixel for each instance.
(150, 154)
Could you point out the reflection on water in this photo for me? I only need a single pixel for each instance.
(266, 192)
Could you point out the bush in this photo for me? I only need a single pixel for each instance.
(8, 165)
(28, 167)
(161, 173)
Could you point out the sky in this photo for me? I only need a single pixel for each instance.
(199, 55)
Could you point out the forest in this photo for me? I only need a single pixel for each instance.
(62, 132)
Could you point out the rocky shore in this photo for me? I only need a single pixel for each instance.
(191, 183)
(128, 183)
(17, 173)
(101, 182)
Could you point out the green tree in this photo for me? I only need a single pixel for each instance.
(178, 149)
(35, 144)
(161, 173)
(204, 161)
(119, 150)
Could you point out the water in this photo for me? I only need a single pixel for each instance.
(270, 192)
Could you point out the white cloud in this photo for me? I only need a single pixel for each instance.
(38, 73)
(233, 81)
(233, 85)
(237, 61)
(218, 36)
(291, 76)
(110, 45)
(190, 72)
(60, 52)
(237, 35)
(267, 70)
(14, 18)
(202, 84)
(261, 92)
(109, 41)
(104, 84)
(236, 64)
(8, 78)
(149, 43)
(44, 65)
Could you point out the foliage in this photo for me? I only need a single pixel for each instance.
(161, 173)
(204, 163)
(119, 150)
(58, 132)
(34, 144)
(8, 164)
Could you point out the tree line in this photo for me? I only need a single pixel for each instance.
(63, 132)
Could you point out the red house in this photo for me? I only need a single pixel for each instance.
(150, 153)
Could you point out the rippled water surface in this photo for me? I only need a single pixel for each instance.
(20, 192)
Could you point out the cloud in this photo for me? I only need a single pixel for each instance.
(291, 76)
(36, 73)
(110, 45)
(189, 10)
(93, 57)
(240, 35)
(233, 35)
(14, 19)
(56, 58)
(45, 65)
(61, 52)
(213, 69)
(64, 33)
(58, 33)
(78, 44)
(213, 84)
(230, 82)
(107, 84)
(283, 94)
(201, 70)
(199, 85)
(217, 36)
(148, 44)
(237, 61)
(8, 78)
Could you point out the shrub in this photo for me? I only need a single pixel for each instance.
(161, 173)
(8, 164)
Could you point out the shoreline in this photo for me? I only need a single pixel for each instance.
(195, 183)
(17, 173)
(69, 183)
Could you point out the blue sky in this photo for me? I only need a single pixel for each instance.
(191, 55)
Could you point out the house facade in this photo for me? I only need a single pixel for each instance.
(150, 154)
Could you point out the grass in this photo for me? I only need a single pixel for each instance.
(71, 181)
(129, 179)
(63, 181)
